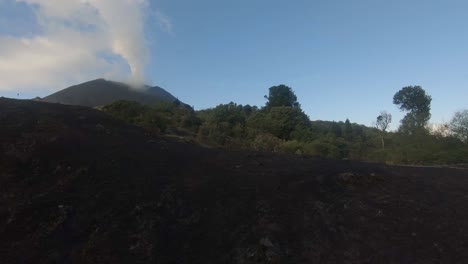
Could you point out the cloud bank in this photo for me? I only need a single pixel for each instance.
(78, 40)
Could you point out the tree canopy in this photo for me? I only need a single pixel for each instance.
(383, 121)
(281, 95)
(417, 103)
(459, 125)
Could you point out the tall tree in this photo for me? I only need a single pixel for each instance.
(281, 121)
(281, 95)
(459, 125)
(348, 130)
(417, 103)
(335, 130)
(382, 123)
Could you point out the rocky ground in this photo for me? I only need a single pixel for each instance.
(77, 186)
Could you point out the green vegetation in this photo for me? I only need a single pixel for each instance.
(417, 103)
(281, 95)
(163, 117)
(282, 126)
(459, 125)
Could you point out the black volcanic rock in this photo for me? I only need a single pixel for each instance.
(101, 92)
(78, 186)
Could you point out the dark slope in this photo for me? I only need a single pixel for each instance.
(80, 187)
(101, 92)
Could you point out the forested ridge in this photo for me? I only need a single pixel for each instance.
(282, 126)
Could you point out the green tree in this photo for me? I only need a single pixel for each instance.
(281, 121)
(224, 124)
(138, 114)
(459, 125)
(126, 110)
(281, 95)
(417, 103)
(348, 130)
(335, 130)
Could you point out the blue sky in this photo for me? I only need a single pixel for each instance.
(344, 59)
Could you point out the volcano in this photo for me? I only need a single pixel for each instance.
(102, 92)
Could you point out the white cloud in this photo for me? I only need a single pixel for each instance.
(74, 36)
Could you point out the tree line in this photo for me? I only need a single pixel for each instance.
(282, 126)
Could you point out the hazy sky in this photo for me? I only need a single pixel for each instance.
(344, 59)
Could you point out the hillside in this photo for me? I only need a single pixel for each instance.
(79, 186)
(101, 92)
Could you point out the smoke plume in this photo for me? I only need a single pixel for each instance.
(78, 40)
(125, 25)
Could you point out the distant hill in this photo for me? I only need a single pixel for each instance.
(102, 92)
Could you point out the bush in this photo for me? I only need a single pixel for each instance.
(292, 146)
(266, 142)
